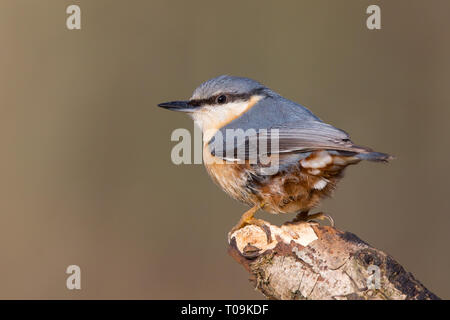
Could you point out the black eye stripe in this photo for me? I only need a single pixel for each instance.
(212, 100)
(230, 98)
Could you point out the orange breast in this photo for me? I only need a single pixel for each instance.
(231, 177)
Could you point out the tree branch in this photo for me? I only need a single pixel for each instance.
(307, 261)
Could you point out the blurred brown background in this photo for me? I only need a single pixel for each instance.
(85, 170)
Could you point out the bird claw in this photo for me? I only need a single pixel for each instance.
(304, 217)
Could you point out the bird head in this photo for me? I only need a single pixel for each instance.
(220, 100)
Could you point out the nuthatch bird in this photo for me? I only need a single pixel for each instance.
(311, 155)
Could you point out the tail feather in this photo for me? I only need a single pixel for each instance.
(375, 156)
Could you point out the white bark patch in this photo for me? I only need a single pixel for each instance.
(301, 233)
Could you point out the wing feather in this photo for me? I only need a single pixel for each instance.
(290, 128)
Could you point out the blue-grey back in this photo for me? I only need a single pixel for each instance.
(272, 111)
(298, 130)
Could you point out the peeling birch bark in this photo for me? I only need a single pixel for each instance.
(307, 261)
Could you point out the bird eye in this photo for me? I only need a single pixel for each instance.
(221, 99)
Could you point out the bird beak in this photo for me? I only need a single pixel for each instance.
(182, 106)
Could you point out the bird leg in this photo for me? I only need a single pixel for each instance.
(248, 218)
(305, 217)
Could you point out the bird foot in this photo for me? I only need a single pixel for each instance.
(247, 219)
(305, 217)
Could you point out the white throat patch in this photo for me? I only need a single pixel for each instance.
(211, 118)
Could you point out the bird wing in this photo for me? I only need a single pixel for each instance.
(310, 136)
(283, 127)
